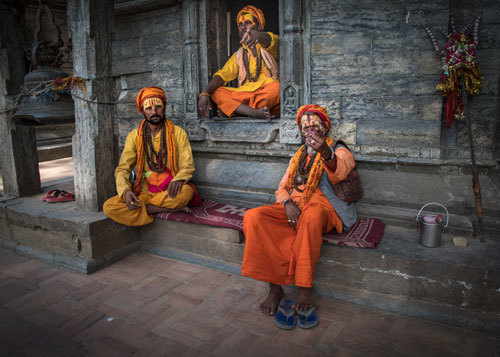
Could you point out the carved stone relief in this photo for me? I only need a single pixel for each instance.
(289, 132)
(194, 130)
(290, 101)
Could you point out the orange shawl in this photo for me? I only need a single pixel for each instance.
(314, 175)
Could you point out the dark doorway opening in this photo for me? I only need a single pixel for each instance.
(271, 14)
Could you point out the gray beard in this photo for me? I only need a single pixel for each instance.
(310, 151)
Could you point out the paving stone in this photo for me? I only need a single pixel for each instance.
(365, 341)
(80, 322)
(156, 286)
(132, 336)
(162, 347)
(13, 288)
(79, 315)
(106, 346)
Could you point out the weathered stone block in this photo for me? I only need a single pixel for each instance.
(5, 230)
(239, 174)
(129, 48)
(146, 23)
(135, 82)
(47, 240)
(243, 130)
(163, 227)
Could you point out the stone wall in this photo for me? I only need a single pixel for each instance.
(374, 67)
(369, 62)
(147, 50)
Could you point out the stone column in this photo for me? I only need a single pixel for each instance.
(18, 154)
(90, 23)
(191, 53)
(294, 66)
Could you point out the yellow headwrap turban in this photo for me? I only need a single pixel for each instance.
(149, 92)
(256, 13)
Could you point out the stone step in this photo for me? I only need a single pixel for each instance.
(456, 281)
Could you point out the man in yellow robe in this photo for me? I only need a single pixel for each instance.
(255, 64)
(283, 240)
(161, 153)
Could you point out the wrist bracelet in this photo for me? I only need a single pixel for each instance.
(285, 201)
(204, 93)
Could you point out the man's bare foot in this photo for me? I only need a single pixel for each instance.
(152, 209)
(270, 305)
(221, 114)
(305, 299)
(262, 113)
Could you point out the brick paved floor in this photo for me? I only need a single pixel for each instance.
(145, 305)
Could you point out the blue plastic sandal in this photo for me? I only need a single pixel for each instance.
(285, 316)
(308, 318)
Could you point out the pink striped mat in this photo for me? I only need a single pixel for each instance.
(366, 233)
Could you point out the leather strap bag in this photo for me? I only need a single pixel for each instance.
(350, 189)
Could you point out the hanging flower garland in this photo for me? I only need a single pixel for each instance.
(459, 60)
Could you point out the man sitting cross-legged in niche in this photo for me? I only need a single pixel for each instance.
(283, 240)
(255, 64)
(161, 153)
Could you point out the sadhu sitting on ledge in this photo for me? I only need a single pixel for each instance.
(283, 240)
(161, 153)
(255, 64)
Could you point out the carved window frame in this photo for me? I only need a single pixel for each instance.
(294, 23)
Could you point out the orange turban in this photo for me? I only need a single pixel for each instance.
(149, 92)
(316, 109)
(256, 13)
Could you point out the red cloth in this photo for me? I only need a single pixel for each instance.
(366, 233)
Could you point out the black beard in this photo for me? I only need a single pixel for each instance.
(155, 119)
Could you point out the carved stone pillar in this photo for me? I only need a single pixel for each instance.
(192, 66)
(91, 24)
(294, 66)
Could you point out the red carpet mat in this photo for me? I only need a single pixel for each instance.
(366, 233)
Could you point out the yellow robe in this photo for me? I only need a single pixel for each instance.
(230, 70)
(116, 209)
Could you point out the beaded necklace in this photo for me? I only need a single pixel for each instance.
(245, 56)
(156, 160)
(303, 170)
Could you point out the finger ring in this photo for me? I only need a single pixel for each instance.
(313, 142)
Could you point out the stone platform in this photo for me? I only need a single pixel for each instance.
(459, 286)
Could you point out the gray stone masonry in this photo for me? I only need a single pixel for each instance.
(64, 235)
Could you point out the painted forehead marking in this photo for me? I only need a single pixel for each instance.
(246, 17)
(310, 120)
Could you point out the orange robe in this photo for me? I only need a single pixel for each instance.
(267, 96)
(275, 252)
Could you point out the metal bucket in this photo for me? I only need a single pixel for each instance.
(430, 227)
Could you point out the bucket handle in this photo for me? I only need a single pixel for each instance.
(434, 203)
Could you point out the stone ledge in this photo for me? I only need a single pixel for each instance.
(80, 264)
(62, 235)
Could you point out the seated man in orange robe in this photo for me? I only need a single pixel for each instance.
(283, 240)
(161, 153)
(255, 64)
